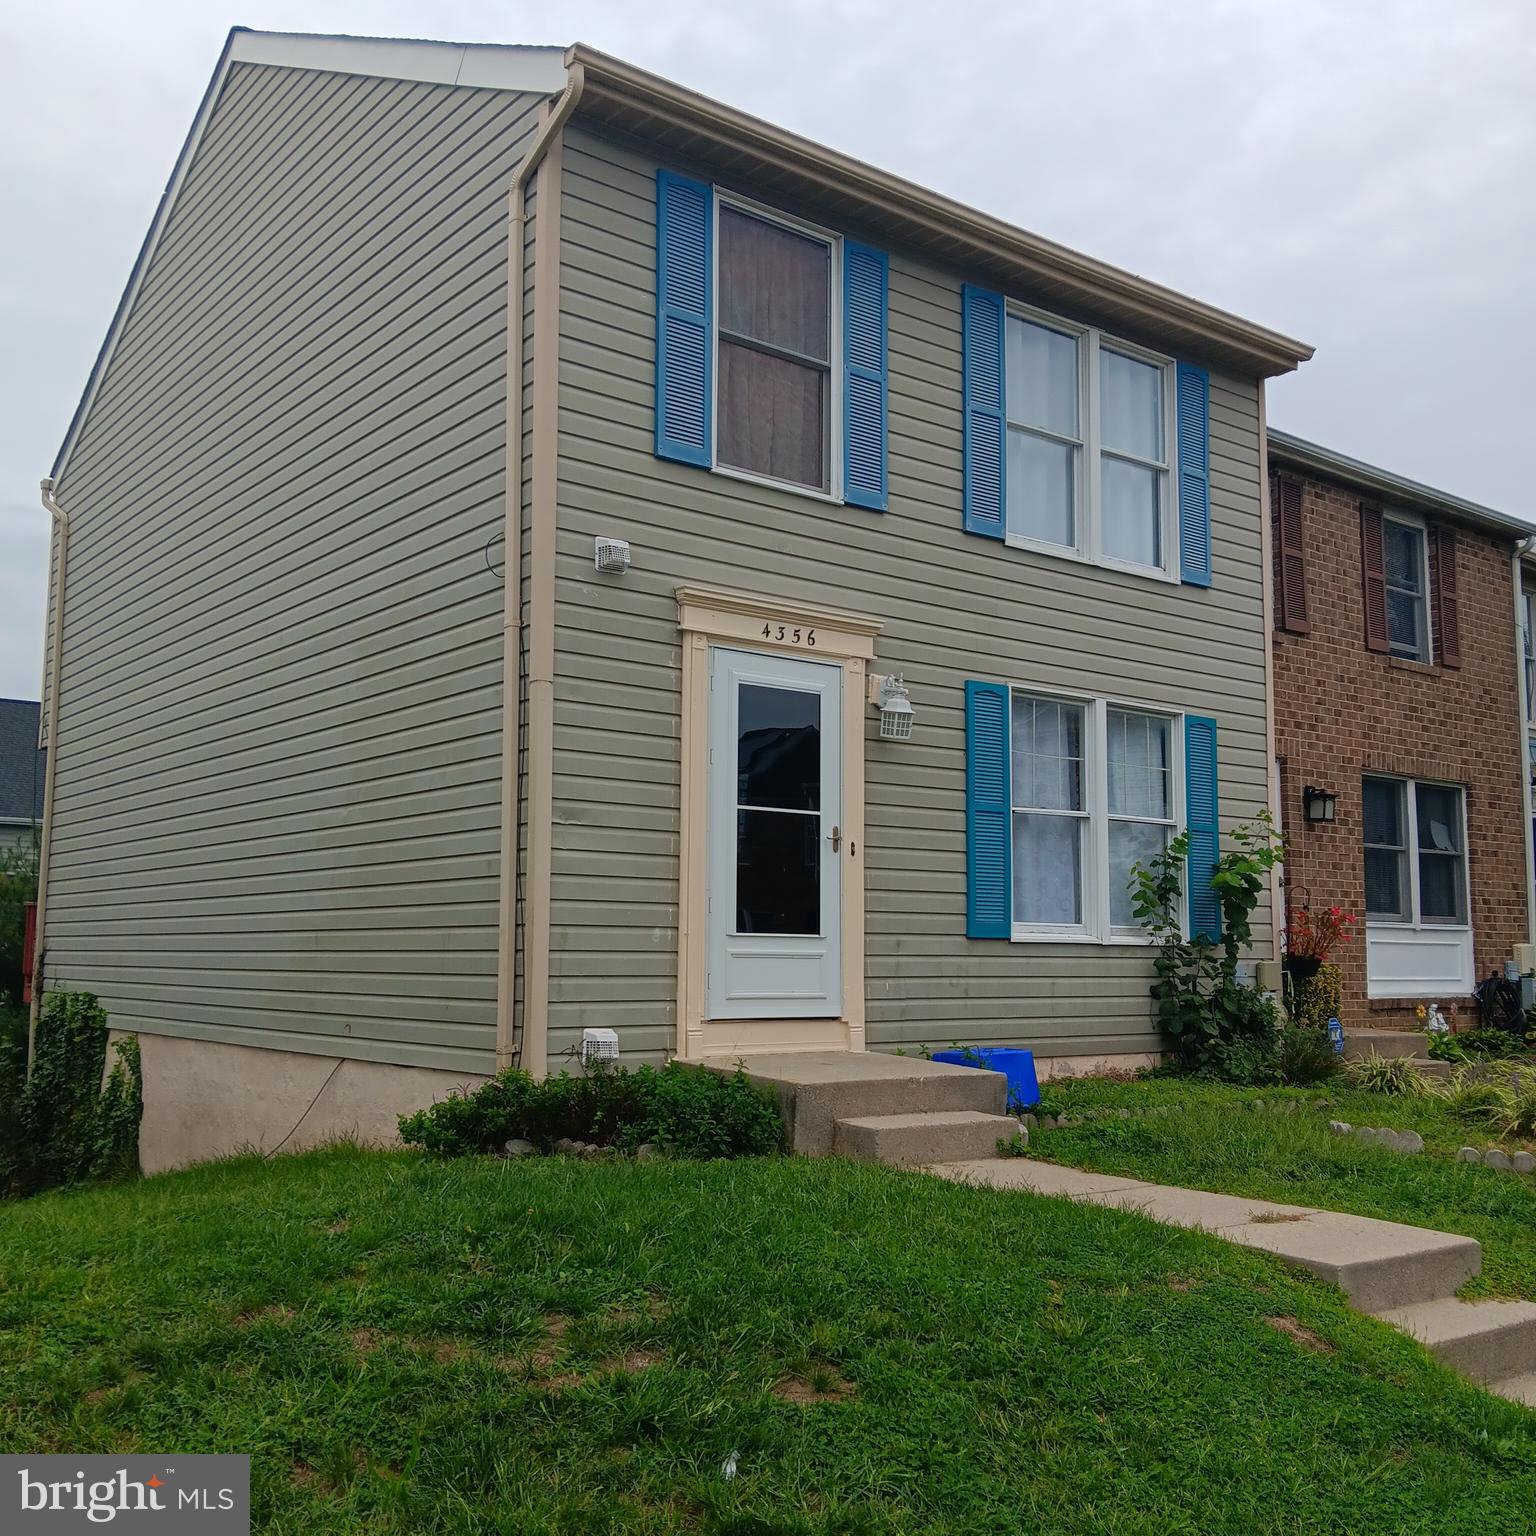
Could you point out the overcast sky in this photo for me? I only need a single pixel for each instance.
(1357, 173)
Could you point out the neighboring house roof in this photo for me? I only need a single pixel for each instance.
(21, 762)
(1298, 453)
(693, 126)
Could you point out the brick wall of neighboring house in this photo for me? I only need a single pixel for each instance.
(1342, 711)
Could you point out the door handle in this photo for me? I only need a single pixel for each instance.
(837, 839)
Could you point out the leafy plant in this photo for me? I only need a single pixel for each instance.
(61, 1127)
(1384, 1074)
(692, 1113)
(1514, 1112)
(18, 886)
(1314, 936)
(1211, 1022)
(1318, 998)
(1468, 1096)
(1484, 1043)
(1307, 1056)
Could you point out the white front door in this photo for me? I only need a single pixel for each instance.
(775, 843)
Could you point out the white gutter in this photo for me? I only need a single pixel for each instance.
(50, 763)
(533, 1052)
(1525, 547)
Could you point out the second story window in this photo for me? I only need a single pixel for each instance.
(1407, 575)
(1088, 452)
(772, 340)
(775, 381)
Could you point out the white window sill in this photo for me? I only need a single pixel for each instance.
(1386, 925)
(1077, 557)
(808, 491)
(1076, 936)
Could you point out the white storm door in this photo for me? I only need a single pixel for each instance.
(775, 840)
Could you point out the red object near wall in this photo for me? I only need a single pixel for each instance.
(28, 946)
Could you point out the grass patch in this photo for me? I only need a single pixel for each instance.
(542, 1346)
(1286, 1153)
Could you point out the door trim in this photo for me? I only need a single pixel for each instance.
(707, 616)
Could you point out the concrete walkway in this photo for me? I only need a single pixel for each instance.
(1407, 1276)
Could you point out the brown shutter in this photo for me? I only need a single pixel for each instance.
(1374, 578)
(1290, 556)
(1447, 609)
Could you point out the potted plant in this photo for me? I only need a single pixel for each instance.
(1310, 938)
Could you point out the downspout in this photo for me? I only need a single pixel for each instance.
(1271, 738)
(50, 762)
(533, 1052)
(1522, 549)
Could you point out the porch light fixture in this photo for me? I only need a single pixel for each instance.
(1320, 804)
(895, 710)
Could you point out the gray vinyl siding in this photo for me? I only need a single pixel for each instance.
(954, 607)
(278, 766)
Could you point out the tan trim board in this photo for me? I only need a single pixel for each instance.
(708, 616)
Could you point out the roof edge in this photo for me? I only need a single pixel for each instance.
(1285, 448)
(1269, 351)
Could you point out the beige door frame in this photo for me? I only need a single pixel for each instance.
(709, 616)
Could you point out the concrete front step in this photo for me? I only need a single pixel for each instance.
(1489, 1341)
(910, 1141)
(816, 1089)
(1391, 1044)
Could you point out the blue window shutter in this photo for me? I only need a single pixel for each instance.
(1194, 412)
(988, 835)
(684, 318)
(865, 340)
(981, 322)
(1202, 815)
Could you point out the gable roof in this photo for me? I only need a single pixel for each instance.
(21, 761)
(631, 100)
(1298, 453)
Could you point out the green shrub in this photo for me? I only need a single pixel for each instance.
(18, 886)
(1213, 1025)
(1307, 1056)
(691, 1113)
(61, 1126)
(1385, 1074)
(1318, 998)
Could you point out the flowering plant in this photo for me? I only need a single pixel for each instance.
(1314, 934)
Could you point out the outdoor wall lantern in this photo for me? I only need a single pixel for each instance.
(895, 709)
(1320, 804)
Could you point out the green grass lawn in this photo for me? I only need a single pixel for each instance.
(1215, 1142)
(552, 1346)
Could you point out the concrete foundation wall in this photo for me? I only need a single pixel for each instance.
(203, 1099)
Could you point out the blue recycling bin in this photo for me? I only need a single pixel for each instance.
(1014, 1062)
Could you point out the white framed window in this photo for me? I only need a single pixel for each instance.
(1090, 445)
(1405, 558)
(777, 413)
(1415, 853)
(1096, 790)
